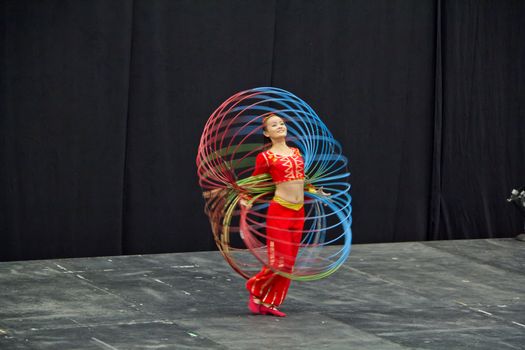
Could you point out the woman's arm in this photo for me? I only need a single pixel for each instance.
(262, 166)
(213, 193)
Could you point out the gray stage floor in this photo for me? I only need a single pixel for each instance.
(432, 295)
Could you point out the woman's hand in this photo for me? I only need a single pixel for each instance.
(245, 203)
(320, 192)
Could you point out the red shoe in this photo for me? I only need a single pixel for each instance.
(253, 306)
(264, 310)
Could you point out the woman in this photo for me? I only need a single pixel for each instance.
(285, 218)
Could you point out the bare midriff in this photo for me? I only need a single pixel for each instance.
(291, 191)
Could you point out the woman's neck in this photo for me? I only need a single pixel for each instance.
(280, 146)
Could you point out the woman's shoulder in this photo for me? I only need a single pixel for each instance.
(263, 153)
(263, 156)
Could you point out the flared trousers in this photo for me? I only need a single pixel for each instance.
(284, 228)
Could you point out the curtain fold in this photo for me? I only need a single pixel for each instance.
(435, 195)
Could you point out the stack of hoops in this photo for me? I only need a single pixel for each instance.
(231, 140)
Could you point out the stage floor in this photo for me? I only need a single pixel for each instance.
(467, 294)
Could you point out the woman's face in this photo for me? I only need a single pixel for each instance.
(274, 128)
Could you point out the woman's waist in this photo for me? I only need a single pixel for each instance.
(295, 196)
(296, 206)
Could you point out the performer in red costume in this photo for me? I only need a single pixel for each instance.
(285, 218)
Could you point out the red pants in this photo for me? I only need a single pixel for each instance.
(284, 228)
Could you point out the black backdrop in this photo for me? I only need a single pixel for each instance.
(103, 103)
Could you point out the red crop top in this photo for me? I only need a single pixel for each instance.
(281, 168)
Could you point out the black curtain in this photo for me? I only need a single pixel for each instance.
(186, 58)
(103, 104)
(64, 100)
(366, 67)
(481, 142)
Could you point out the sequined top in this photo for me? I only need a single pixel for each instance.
(281, 168)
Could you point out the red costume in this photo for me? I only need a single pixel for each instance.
(284, 227)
